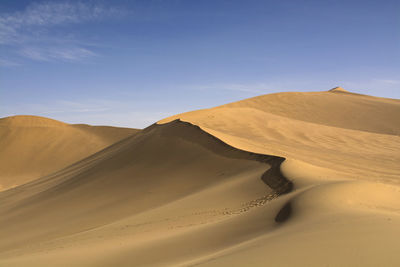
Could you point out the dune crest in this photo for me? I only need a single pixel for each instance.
(338, 89)
(30, 121)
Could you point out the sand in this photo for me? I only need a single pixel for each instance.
(209, 188)
(33, 146)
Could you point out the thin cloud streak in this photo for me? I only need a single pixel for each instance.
(30, 31)
(8, 63)
(391, 82)
(67, 54)
(43, 15)
(251, 88)
(258, 87)
(246, 89)
(91, 111)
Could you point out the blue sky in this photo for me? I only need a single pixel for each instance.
(131, 63)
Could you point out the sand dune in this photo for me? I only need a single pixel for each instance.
(355, 134)
(33, 146)
(157, 168)
(209, 188)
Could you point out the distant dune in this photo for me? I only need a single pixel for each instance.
(287, 179)
(336, 108)
(33, 146)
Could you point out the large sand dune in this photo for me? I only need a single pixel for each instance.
(208, 188)
(33, 146)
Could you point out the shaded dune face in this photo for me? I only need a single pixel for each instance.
(33, 146)
(160, 165)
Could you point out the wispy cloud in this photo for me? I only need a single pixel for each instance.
(38, 16)
(56, 53)
(31, 31)
(241, 87)
(91, 111)
(261, 87)
(385, 86)
(8, 63)
(388, 81)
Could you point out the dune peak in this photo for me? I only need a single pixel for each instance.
(338, 89)
(30, 121)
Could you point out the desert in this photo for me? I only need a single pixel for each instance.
(199, 133)
(284, 178)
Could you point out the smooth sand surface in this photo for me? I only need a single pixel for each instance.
(207, 188)
(33, 146)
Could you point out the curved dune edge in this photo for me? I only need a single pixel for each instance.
(273, 177)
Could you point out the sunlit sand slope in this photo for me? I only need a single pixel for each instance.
(356, 134)
(33, 146)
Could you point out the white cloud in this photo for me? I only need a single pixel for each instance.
(47, 14)
(251, 88)
(377, 86)
(30, 31)
(264, 87)
(91, 111)
(56, 53)
(33, 54)
(388, 81)
(8, 63)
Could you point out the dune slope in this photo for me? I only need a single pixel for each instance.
(33, 146)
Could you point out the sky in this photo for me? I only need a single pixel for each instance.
(131, 63)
